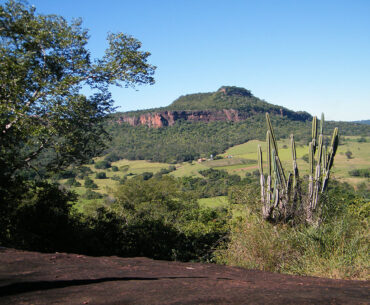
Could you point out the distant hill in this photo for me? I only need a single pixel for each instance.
(201, 124)
(226, 104)
(365, 122)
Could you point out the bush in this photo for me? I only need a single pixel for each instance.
(147, 175)
(84, 171)
(65, 174)
(41, 220)
(72, 182)
(89, 183)
(114, 169)
(348, 154)
(305, 158)
(112, 157)
(104, 164)
(165, 222)
(101, 175)
(365, 172)
(89, 194)
(115, 178)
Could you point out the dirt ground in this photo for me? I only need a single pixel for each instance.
(60, 278)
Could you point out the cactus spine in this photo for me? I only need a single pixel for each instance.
(280, 202)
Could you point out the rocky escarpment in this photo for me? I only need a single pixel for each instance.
(226, 104)
(168, 118)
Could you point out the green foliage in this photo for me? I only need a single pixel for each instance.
(38, 219)
(186, 140)
(147, 175)
(89, 194)
(45, 120)
(337, 248)
(84, 171)
(112, 157)
(101, 175)
(305, 158)
(348, 154)
(215, 183)
(364, 172)
(104, 164)
(171, 224)
(89, 183)
(72, 182)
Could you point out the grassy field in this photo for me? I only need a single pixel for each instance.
(239, 160)
(342, 164)
(214, 202)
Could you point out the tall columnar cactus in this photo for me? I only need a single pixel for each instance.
(281, 196)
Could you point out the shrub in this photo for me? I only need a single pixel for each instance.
(166, 222)
(89, 194)
(41, 219)
(305, 158)
(147, 175)
(84, 171)
(65, 174)
(89, 183)
(114, 169)
(348, 154)
(101, 175)
(112, 157)
(115, 178)
(364, 172)
(104, 164)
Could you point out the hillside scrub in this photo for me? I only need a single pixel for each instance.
(336, 248)
(186, 140)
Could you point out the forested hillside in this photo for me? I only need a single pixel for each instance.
(188, 140)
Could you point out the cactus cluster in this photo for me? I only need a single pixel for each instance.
(282, 195)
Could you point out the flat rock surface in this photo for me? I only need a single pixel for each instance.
(60, 278)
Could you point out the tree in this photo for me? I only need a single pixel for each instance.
(45, 120)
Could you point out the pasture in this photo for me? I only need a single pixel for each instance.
(241, 159)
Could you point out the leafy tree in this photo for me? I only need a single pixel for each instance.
(45, 120)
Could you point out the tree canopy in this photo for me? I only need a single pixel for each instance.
(46, 121)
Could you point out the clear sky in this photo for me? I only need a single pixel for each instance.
(305, 54)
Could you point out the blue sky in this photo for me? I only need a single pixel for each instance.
(304, 55)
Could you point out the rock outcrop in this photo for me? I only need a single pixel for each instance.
(61, 278)
(168, 118)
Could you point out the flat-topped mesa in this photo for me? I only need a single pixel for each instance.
(229, 103)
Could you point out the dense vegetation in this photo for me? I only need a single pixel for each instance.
(338, 247)
(188, 140)
(226, 97)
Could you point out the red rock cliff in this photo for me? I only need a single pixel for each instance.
(168, 118)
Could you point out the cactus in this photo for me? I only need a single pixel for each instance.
(281, 202)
